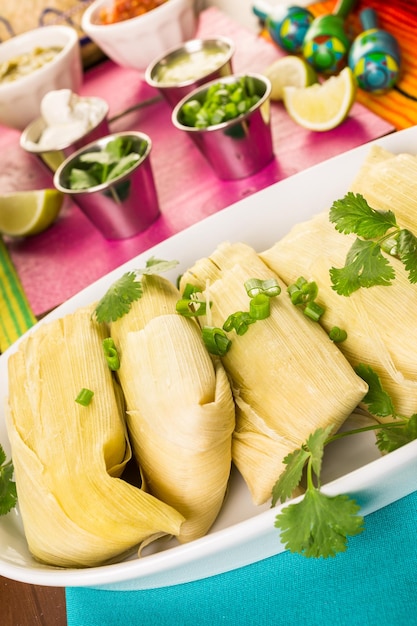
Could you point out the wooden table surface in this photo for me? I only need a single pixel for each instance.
(31, 605)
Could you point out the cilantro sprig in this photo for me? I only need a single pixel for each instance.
(8, 494)
(118, 299)
(319, 525)
(100, 166)
(377, 233)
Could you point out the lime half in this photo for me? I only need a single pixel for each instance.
(25, 213)
(289, 71)
(322, 106)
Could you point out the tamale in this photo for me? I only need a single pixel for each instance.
(389, 182)
(288, 378)
(378, 320)
(68, 458)
(180, 410)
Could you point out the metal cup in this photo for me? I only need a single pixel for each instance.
(125, 206)
(240, 147)
(188, 59)
(29, 139)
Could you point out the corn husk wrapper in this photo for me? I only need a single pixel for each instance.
(181, 413)
(288, 378)
(378, 319)
(68, 458)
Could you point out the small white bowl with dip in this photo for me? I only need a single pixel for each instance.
(67, 123)
(58, 66)
(181, 70)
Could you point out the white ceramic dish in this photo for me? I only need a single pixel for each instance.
(243, 534)
(20, 100)
(137, 41)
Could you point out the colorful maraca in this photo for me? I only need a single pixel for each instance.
(326, 43)
(375, 56)
(287, 25)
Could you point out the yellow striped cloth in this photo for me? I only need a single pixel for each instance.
(16, 315)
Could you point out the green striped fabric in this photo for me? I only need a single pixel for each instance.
(16, 315)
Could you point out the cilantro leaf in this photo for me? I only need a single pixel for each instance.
(365, 266)
(122, 166)
(315, 444)
(157, 266)
(291, 477)
(82, 179)
(8, 494)
(318, 525)
(118, 299)
(99, 166)
(407, 252)
(352, 214)
(393, 438)
(377, 399)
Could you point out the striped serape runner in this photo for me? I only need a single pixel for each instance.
(398, 17)
(16, 315)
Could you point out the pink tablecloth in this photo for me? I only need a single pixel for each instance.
(70, 255)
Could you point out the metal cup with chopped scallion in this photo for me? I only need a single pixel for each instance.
(229, 121)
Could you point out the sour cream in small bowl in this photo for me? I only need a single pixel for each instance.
(67, 122)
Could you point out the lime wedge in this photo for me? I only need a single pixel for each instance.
(322, 106)
(289, 71)
(25, 213)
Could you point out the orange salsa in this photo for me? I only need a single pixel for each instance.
(126, 9)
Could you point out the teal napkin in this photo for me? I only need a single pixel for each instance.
(374, 583)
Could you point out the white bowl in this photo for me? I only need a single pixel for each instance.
(136, 42)
(20, 100)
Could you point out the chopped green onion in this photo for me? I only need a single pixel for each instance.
(302, 291)
(314, 311)
(216, 340)
(260, 307)
(189, 289)
(221, 102)
(337, 334)
(239, 322)
(84, 397)
(190, 307)
(269, 287)
(111, 354)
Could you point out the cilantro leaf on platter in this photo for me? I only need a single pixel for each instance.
(8, 494)
(157, 266)
(365, 266)
(377, 232)
(291, 477)
(318, 525)
(352, 214)
(315, 444)
(407, 252)
(377, 399)
(394, 438)
(118, 299)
